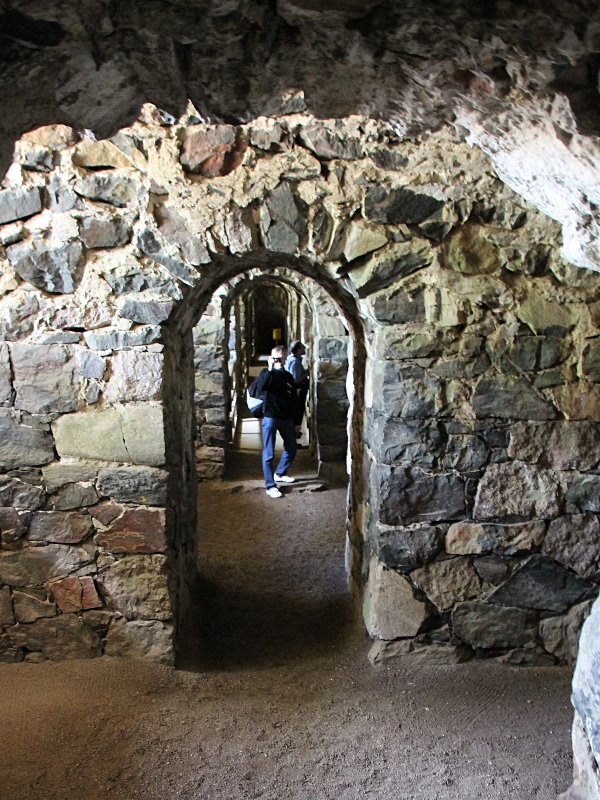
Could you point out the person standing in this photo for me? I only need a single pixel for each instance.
(300, 375)
(278, 390)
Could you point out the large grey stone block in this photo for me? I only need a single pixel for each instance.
(151, 244)
(22, 445)
(143, 485)
(396, 206)
(44, 378)
(396, 441)
(21, 494)
(52, 268)
(543, 585)
(32, 604)
(63, 472)
(510, 398)
(126, 433)
(113, 231)
(59, 527)
(111, 339)
(474, 538)
(408, 495)
(399, 307)
(150, 310)
(583, 491)
(117, 187)
(486, 626)
(328, 144)
(591, 361)
(405, 548)
(19, 203)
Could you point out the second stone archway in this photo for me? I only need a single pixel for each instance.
(220, 338)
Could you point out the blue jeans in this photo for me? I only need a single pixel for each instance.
(270, 426)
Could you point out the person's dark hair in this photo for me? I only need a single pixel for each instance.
(295, 346)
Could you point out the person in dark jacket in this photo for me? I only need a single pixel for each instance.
(278, 391)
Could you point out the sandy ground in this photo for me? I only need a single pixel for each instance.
(274, 697)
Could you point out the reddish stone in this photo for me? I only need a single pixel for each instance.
(89, 595)
(60, 527)
(75, 594)
(67, 594)
(212, 151)
(138, 531)
(106, 512)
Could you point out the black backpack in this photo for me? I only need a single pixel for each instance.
(255, 400)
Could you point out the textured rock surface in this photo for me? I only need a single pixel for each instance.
(447, 582)
(59, 527)
(75, 594)
(59, 638)
(464, 538)
(543, 585)
(136, 531)
(517, 489)
(560, 635)
(390, 609)
(560, 445)
(575, 542)
(31, 605)
(35, 565)
(129, 433)
(486, 626)
(23, 444)
(403, 548)
(135, 376)
(140, 639)
(136, 586)
(134, 485)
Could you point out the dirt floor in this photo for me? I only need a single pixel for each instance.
(274, 697)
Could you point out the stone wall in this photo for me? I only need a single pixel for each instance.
(476, 471)
(212, 396)
(483, 448)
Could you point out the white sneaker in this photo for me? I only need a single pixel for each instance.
(274, 492)
(284, 479)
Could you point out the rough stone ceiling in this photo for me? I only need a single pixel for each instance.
(519, 80)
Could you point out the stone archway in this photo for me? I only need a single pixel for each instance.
(481, 372)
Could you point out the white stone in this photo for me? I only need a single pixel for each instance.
(362, 239)
(135, 376)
